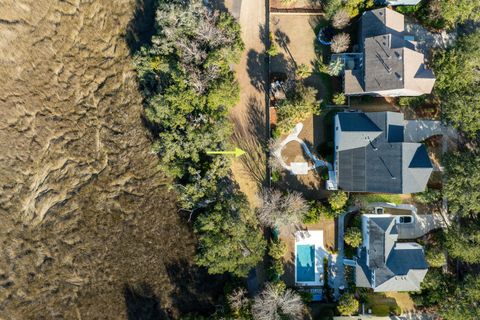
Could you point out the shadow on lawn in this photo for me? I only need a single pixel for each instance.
(249, 136)
(143, 304)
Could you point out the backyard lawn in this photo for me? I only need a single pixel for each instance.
(379, 197)
(381, 305)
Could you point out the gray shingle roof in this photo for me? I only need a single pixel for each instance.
(371, 155)
(389, 266)
(389, 61)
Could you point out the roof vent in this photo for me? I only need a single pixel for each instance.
(399, 76)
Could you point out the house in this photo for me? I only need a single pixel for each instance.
(387, 63)
(384, 264)
(371, 155)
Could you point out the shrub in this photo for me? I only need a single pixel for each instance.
(277, 249)
(303, 71)
(339, 98)
(335, 67)
(435, 257)
(353, 237)
(340, 19)
(276, 175)
(276, 270)
(348, 305)
(340, 42)
(381, 310)
(337, 200)
(274, 49)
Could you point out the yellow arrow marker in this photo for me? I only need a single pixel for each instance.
(237, 152)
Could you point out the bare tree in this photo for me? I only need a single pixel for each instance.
(340, 19)
(340, 42)
(277, 210)
(238, 299)
(275, 302)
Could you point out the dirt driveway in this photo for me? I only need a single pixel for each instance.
(249, 116)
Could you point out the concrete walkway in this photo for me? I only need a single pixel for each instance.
(293, 169)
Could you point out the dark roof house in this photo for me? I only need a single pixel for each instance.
(390, 66)
(371, 155)
(385, 264)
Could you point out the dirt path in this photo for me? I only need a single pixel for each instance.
(249, 115)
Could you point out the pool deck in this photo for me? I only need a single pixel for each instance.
(311, 238)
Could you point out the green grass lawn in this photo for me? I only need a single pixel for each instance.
(379, 197)
(381, 305)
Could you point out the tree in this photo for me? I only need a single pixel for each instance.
(300, 103)
(435, 287)
(340, 19)
(464, 243)
(335, 67)
(456, 72)
(339, 98)
(353, 237)
(464, 304)
(303, 71)
(229, 238)
(275, 302)
(277, 210)
(448, 13)
(348, 305)
(462, 187)
(239, 304)
(435, 257)
(277, 249)
(338, 199)
(340, 42)
(189, 88)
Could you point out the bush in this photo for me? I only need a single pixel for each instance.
(353, 237)
(435, 257)
(276, 175)
(338, 200)
(335, 67)
(274, 49)
(339, 98)
(313, 215)
(340, 19)
(277, 249)
(303, 71)
(340, 42)
(276, 270)
(348, 305)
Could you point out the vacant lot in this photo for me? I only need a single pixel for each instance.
(296, 37)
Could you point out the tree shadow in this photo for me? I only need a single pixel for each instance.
(142, 26)
(142, 303)
(283, 41)
(249, 135)
(197, 292)
(256, 69)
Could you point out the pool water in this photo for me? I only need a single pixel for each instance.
(305, 264)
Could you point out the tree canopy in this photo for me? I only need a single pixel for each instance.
(463, 243)
(456, 69)
(462, 187)
(229, 240)
(464, 304)
(300, 103)
(188, 88)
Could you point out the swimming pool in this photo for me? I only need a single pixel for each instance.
(305, 264)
